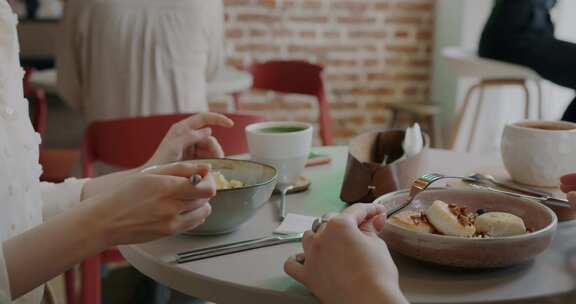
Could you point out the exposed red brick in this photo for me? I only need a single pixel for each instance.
(401, 34)
(377, 105)
(403, 20)
(342, 77)
(410, 77)
(345, 133)
(309, 19)
(308, 34)
(257, 18)
(355, 6)
(378, 34)
(375, 52)
(379, 76)
(356, 20)
(344, 105)
(382, 6)
(424, 35)
(311, 4)
(397, 48)
(382, 91)
(257, 47)
(413, 7)
(235, 61)
(236, 2)
(331, 34)
(233, 33)
(259, 33)
(267, 3)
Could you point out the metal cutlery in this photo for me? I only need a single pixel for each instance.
(418, 186)
(219, 250)
(283, 193)
(485, 178)
(544, 200)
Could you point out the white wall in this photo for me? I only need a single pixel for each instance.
(459, 23)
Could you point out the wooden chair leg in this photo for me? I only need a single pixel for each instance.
(527, 103)
(476, 118)
(539, 101)
(458, 124)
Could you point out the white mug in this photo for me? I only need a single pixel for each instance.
(284, 145)
(538, 153)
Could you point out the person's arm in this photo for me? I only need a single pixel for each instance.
(146, 206)
(188, 139)
(346, 262)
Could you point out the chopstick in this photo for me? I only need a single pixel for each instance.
(219, 250)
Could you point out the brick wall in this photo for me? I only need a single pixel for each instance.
(375, 53)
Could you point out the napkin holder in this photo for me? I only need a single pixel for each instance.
(367, 177)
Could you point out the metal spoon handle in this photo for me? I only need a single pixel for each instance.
(510, 186)
(545, 200)
(283, 193)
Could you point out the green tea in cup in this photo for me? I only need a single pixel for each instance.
(283, 129)
(282, 144)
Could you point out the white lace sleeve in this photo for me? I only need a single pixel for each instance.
(4, 283)
(59, 197)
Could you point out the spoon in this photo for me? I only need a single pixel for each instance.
(283, 188)
(478, 177)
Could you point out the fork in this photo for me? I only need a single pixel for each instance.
(421, 184)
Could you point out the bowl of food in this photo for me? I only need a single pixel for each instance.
(468, 228)
(243, 187)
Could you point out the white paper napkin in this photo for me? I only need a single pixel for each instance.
(295, 223)
(413, 142)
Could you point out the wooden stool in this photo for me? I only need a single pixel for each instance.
(492, 73)
(422, 113)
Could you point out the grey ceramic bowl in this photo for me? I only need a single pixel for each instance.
(472, 252)
(233, 207)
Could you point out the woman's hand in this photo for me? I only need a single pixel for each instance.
(156, 203)
(191, 139)
(346, 261)
(568, 186)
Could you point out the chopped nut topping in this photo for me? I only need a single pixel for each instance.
(465, 217)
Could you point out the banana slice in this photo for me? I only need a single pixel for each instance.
(500, 224)
(412, 220)
(450, 220)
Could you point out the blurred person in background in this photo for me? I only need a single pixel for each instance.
(522, 32)
(126, 58)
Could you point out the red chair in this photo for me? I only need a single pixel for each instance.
(129, 143)
(57, 164)
(295, 77)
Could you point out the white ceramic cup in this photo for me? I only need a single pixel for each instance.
(538, 153)
(286, 151)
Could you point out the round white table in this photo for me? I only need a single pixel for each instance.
(226, 82)
(257, 276)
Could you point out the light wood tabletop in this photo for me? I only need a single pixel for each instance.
(257, 277)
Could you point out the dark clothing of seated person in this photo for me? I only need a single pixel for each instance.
(522, 32)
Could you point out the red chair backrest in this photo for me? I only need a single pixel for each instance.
(130, 142)
(297, 77)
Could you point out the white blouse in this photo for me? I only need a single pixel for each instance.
(24, 201)
(126, 58)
